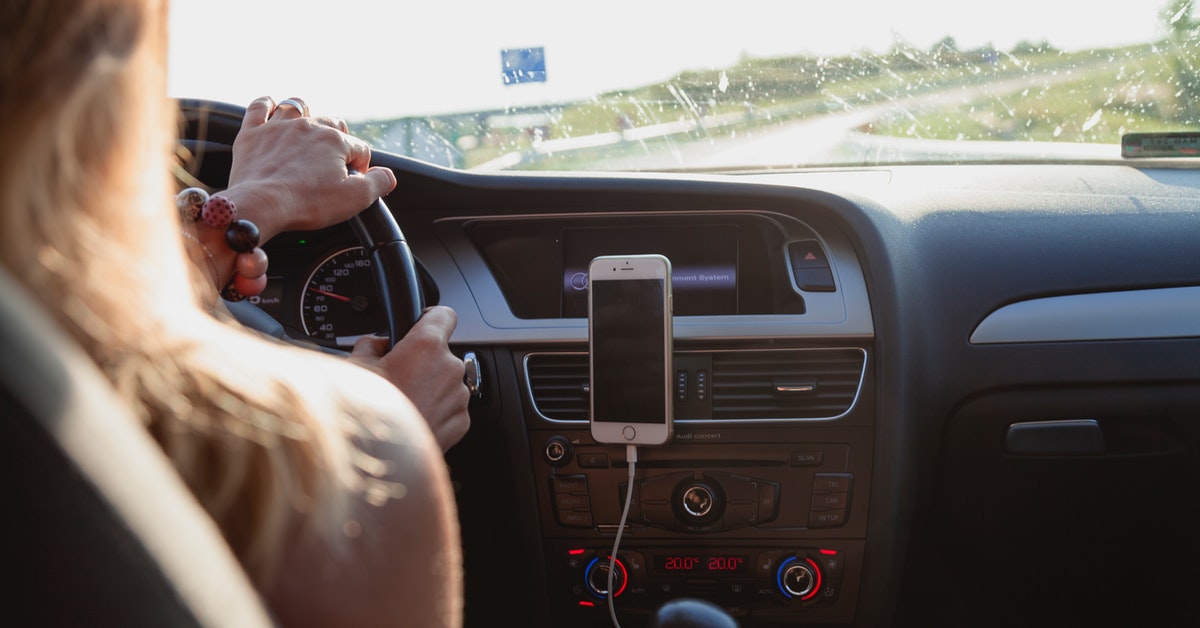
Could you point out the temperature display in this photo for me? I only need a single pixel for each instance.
(700, 563)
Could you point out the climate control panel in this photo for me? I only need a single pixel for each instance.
(758, 581)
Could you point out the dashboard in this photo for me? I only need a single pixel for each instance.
(942, 395)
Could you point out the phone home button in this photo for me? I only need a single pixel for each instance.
(629, 433)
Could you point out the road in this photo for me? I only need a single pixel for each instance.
(832, 138)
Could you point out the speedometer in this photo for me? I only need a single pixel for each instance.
(340, 301)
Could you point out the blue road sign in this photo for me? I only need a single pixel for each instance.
(523, 65)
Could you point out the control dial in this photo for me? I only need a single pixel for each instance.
(558, 451)
(699, 502)
(595, 577)
(799, 578)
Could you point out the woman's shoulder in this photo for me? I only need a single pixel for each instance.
(387, 547)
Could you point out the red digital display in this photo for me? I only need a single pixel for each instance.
(700, 563)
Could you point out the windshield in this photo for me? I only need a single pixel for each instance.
(733, 86)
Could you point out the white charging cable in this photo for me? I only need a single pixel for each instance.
(631, 459)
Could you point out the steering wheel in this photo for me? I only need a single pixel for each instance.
(210, 128)
(394, 268)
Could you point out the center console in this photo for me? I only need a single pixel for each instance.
(763, 516)
(759, 503)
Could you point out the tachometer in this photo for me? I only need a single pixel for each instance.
(340, 300)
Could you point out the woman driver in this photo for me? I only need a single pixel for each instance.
(326, 481)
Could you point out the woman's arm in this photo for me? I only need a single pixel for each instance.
(294, 172)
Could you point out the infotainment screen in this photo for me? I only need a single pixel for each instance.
(703, 260)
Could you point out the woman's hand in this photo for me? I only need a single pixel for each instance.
(292, 172)
(423, 368)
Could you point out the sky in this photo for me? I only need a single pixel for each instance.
(373, 59)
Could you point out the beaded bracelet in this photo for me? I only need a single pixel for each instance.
(250, 268)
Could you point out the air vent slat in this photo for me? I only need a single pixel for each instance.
(743, 385)
(558, 385)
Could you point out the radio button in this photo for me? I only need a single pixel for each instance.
(807, 457)
(738, 515)
(635, 508)
(831, 501)
(570, 501)
(739, 489)
(826, 518)
(575, 518)
(569, 484)
(768, 501)
(570, 494)
(832, 483)
(593, 460)
(657, 513)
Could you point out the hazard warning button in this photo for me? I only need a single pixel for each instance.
(807, 254)
(810, 266)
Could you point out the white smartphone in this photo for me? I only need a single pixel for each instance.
(629, 344)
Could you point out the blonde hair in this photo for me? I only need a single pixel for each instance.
(87, 224)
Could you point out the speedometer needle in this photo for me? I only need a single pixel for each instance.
(330, 295)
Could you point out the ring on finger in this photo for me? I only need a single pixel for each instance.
(299, 105)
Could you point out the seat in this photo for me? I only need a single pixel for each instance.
(99, 528)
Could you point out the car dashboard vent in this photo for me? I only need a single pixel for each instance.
(786, 384)
(778, 384)
(558, 384)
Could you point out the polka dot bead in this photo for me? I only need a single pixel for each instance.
(190, 203)
(219, 212)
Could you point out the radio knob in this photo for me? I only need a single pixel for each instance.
(595, 577)
(558, 451)
(699, 503)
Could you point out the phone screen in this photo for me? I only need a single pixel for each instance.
(628, 357)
